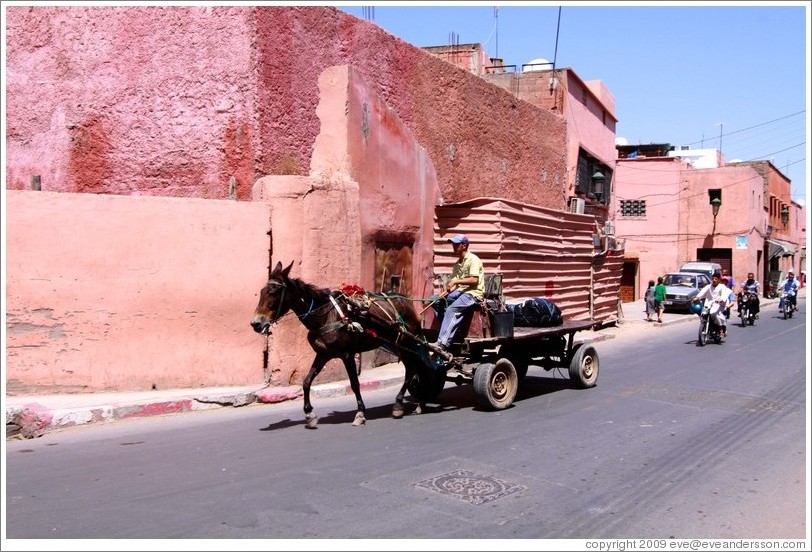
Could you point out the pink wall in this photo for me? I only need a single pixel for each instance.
(133, 101)
(740, 215)
(174, 101)
(591, 123)
(651, 239)
(369, 178)
(126, 293)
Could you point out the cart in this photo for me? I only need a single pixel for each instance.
(496, 365)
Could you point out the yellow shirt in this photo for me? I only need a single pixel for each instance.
(470, 266)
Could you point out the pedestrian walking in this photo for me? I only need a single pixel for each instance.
(649, 297)
(659, 297)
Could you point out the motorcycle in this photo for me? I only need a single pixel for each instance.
(785, 303)
(708, 329)
(748, 311)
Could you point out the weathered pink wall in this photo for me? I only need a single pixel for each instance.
(131, 100)
(126, 293)
(369, 177)
(591, 123)
(174, 101)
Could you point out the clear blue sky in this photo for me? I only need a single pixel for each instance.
(680, 75)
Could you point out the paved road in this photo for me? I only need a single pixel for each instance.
(31, 415)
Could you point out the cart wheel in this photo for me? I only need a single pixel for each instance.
(584, 366)
(495, 385)
(426, 386)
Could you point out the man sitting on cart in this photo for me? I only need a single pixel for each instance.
(464, 290)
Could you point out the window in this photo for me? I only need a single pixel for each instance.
(633, 207)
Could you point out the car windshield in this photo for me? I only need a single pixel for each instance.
(679, 280)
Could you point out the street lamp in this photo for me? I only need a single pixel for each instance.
(597, 183)
(715, 204)
(785, 215)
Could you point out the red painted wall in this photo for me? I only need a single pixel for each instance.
(174, 101)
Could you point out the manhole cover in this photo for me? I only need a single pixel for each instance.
(469, 486)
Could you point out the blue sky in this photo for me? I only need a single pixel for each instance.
(679, 74)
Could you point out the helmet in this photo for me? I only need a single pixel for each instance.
(696, 307)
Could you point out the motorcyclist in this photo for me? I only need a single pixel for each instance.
(718, 292)
(789, 289)
(750, 285)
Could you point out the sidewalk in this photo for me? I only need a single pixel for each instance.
(31, 416)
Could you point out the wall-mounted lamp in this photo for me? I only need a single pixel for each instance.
(715, 204)
(597, 183)
(785, 215)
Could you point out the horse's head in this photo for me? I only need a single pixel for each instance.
(272, 302)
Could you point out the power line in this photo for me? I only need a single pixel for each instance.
(749, 128)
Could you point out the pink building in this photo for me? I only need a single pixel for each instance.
(663, 210)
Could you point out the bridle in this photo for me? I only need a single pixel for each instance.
(274, 285)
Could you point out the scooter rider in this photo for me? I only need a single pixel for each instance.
(789, 287)
(750, 285)
(718, 292)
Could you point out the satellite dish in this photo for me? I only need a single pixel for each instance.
(538, 64)
(621, 141)
(737, 160)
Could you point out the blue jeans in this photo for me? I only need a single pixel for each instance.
(451, 316)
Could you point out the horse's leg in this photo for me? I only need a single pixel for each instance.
(349, 364)
(311, 420)
(397, 408)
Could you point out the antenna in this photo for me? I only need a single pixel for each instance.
(557, 28)
(496, 25)
(721, 126)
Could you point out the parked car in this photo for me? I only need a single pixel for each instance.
(705, 268)
(681, 288)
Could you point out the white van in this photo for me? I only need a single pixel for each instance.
(701, 267)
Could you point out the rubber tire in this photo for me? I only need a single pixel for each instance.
(428, 387)
(495, 385)
(584, 366)
(702, 338)
(745, 315)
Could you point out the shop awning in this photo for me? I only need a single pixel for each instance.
(780, 248)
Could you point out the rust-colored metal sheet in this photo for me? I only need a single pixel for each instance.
(541, 252)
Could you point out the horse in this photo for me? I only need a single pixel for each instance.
(340, 326)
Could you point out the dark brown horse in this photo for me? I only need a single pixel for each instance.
(339, 326)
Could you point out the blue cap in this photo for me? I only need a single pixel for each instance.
(459, 238)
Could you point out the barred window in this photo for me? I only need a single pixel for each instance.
(632, 207)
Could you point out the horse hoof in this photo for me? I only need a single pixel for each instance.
(397, 412)
(311, 422)
(418, 410)
(359, 420)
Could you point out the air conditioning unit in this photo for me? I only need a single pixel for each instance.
(577, 205)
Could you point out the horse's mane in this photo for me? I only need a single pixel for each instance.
(307, 290)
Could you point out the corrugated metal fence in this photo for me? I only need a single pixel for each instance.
(540, 252)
